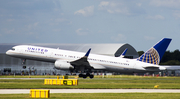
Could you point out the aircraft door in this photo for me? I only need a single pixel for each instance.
(20, 51)
(51, 54)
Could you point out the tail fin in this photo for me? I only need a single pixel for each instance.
(155, 54)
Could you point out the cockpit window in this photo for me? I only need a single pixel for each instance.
(13, 49)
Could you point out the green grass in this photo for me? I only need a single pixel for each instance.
(99, 96)
(110, 82)
(114, 82)
(31, 76)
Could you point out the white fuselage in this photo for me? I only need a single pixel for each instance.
(109, 63)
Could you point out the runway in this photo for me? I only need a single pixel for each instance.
(27, 91)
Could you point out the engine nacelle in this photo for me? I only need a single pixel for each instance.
(63, 65)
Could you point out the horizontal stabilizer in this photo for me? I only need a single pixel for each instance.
(172, 67)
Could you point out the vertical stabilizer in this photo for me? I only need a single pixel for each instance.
(155, 54)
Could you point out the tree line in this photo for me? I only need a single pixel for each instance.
(169, 58)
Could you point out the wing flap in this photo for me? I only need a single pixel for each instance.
(97, 66)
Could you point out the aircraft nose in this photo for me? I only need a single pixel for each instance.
(8, 52)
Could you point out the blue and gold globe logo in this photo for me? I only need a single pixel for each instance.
(151, 56)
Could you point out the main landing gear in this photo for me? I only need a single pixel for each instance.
(23, 63)
(86, 75)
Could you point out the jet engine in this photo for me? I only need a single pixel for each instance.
(63, 65)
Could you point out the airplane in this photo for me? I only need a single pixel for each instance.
(86, 62)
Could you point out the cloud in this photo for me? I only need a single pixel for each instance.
(87, 11)
(176, 14)
(166, 3)
(60, 20)
(103, 4)
(156, 17)
(56, 30)
(149, 38)
(81, 31)
(9, 31)
(10, 20)
(112, 7)
(119, 37)
(57, 21)
(139, 4)
(32, 26)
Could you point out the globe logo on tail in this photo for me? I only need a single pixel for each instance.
(151, 56)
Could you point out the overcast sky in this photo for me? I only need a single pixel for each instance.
(140, 23)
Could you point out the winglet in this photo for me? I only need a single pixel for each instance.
(124, 52)
(87, 54)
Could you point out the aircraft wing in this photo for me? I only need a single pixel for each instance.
(83, 62)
